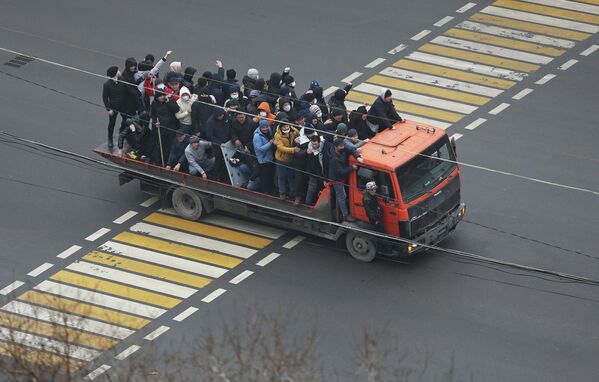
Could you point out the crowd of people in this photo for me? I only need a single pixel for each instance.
(285, 144)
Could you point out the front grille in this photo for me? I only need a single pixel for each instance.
(434, 208)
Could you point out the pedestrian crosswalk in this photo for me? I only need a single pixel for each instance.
(452, 75)
(124, 284)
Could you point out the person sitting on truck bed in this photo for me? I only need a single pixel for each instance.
(382, 114)
(176, 159)
(199, 162)
(373, 209)
(339, 169)
(263, 146)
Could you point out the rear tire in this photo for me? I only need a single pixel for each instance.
(187, 203)
(361, 247)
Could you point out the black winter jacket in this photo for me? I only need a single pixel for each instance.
(113, 95)
(383, 114)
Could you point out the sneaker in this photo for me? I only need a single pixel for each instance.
(110, 145)
(349, 219)
(282, 196)
(297, 201)
(132, 155)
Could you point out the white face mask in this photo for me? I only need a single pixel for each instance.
(185, 97)
(263, 114)
(319, 114)
(234, 96)
(285, 131)
(286, 107)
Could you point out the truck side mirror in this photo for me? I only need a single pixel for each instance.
(453, 147)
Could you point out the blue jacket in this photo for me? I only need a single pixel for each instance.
(263, 147)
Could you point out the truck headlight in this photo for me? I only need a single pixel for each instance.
(462, 212)
(412, 247)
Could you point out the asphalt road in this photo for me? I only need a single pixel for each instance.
(497, 323)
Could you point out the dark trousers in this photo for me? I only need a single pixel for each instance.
(112, 122)
(267, 172)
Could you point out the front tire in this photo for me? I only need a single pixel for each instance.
(361, 247)
(187, 203)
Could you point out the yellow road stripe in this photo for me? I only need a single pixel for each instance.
(430, 90)
(178, 249)
(26, 354)
(549, 11)
(588, 1)
(505, 42)
(408, 107)
(56, 331)
(478, 57)
(120, 290)
(455, 74)
(83, 309)
(147, 269)
(530, 27)
(208, 230)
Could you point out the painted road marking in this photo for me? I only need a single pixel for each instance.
(530, 27)
(68, 252)
(589, 50)
(328, 91)
(475, 124)
(11, 287)
(241, 225)
(240, 277)
(38, 357)
(420, 35)
(466, 7)
(268, 259)
(96, 373)
(150, 201)
(186, 313)
(549, 11)
(539, 19)
(397, 49)
(126, 216)
(41, 269)
(499, 108)
(468, 66)
(427, 121)
(214, 295)
(96, 235)
(456, 136)
(127, 352)
(100, 299)
(132, 279)
(156, 333)
(545, 79)
(351, 77)
(523, 93)
(374, 63)
(193, 240)
(441, 82)
(158, 258)
(293, 242)
(575, 6)
(516, 34)
(443, 21)
(567, 65)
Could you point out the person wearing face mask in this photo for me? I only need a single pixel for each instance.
(185, 102)
(285, 143)
(113, 95)
(235, 94)
(314, 168)
(285, 105)
(300, 163)
(263, 146)
(265, 113)
(229, 83)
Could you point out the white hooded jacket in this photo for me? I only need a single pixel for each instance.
(184, 113)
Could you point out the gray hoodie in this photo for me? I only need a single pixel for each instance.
(198, 156)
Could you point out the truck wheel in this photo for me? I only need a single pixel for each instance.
(187, 203)
(360, 246)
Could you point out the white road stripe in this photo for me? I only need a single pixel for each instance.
(491, 49)
(466, 7)
(268, 259)
(11, 287)
(150, 201)
(456, 136)
(589, 50)
(432, 122)
(567, 65)
(475, 124)
(96, 373)
(401, 95)
(156, 333)
(499, 108)
(572, 5)
(96, 235)
(240, 277)
(351, 77)
(374, 62)
(41, 269)
(539, 19)
(293, 242)
(68, 252)
(420, 35)
(194, 240)
(126, 216)
(397, 49)
(67, 319)
(443, 21)
(100, 299)
(545, 79)
(328, 91)
(128, 278)
(523, 93)
(442, 82)
(516, 34)
(47, 344)
(186, 313)
(454, 63)
(127, 352)
(214, 295)
(161, 259)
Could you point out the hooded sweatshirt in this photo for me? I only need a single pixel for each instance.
(270, 117)
(216, 130)
(184, 113)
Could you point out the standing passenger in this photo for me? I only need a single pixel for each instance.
(285, 142)
(338, 172)
(263, 146)
(113, 95)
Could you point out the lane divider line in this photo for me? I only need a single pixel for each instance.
(456, 136)
(68, 252)
(96, 235)
(499, 109)
(567, 65)
(41, 269)
(351, 77)
(127, 352)
(397, 49)
(156, 333)
(186, 313)
(96, 373)
(589, 50)
(420, 35)
(443, 21)
(475, 124)
(11, 287)
(374, 63)
(466, 7)
(545, 79)
(214, 295)
(523, 93)
(265, 261)
(240, 277)
(293, 242)
(150, 201)
(123, 218)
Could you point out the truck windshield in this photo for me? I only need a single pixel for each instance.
(423, 172)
